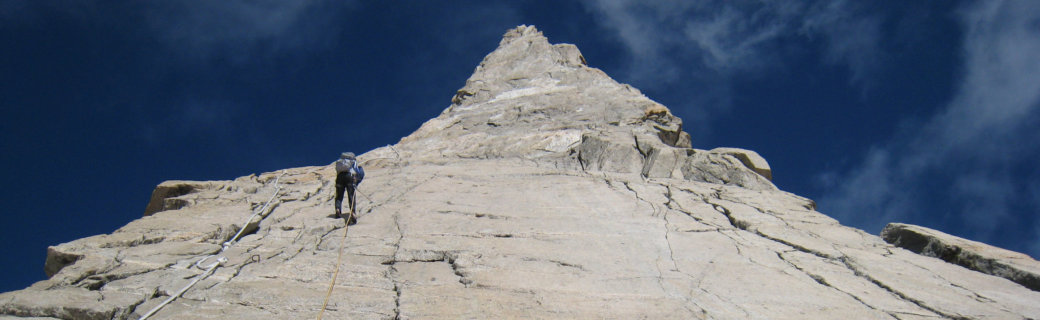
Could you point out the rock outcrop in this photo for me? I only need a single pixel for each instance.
(545, 190)
(973, 255)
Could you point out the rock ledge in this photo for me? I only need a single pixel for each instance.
(973, 255)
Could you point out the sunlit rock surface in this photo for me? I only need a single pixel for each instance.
(545, 190)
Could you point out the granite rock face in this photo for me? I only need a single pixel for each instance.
(545, 190)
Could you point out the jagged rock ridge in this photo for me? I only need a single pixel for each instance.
(546, 190)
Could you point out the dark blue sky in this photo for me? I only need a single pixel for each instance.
(923, 112)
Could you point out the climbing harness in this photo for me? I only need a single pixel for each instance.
(221, 260)
(339, 259)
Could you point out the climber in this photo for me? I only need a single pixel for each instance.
(348, 176)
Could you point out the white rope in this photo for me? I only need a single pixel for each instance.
(220, 260)
(198, 278)
(244, 223)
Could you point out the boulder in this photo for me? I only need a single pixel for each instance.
(750, 159)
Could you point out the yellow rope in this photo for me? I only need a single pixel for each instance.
(339, 258)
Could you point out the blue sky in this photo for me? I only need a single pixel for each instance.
(922, 112)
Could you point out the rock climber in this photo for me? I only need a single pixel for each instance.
(348, 176)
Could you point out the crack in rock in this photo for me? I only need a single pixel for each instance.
(848, 264)
(657, 211)
(449, 257)
(822, 281)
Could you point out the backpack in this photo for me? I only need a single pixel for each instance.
(356, 172)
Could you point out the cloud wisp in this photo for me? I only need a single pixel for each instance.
(729, 37)
(239, 30)
(235, 31)
(701, 46)
(978, 154)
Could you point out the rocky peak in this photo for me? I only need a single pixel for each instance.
(527, 83)
(537, 101)
(524, 59)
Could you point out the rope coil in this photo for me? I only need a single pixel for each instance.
(221, 260)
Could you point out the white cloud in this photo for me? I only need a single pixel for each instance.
(731, 39)
(1002, 80)
(871, 193)
(976, 143)
(693, 49)
(646, 30)
(852, 36)
(986, 196)
(230, 30)
(240, 30)
(734, 36)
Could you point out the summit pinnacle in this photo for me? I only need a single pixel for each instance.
(532, 100)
